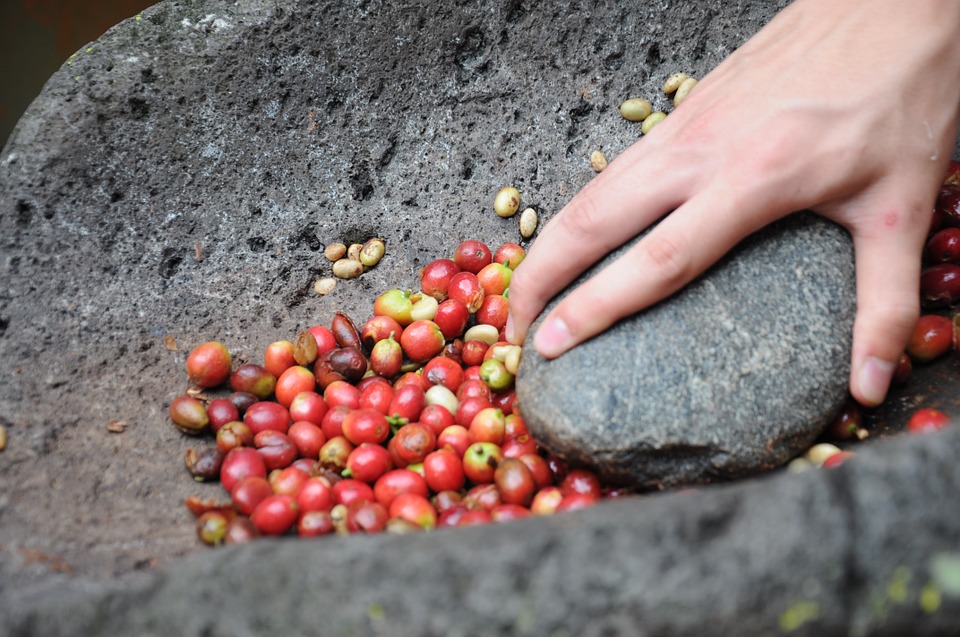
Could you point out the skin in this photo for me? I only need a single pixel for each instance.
(843, 107)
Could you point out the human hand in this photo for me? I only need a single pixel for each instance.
(842, 107)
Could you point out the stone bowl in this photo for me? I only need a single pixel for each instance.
(176, 181)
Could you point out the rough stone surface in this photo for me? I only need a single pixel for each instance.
(736, 374)
(810, 554)
(176, 182)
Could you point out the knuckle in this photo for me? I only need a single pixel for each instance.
(669, 259)
(697, 131)
(893, 322)
(900, 316)
(587, 311)
(770, 157)
(583, 217)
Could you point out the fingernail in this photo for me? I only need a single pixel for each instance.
(874, 378)
(553, 338)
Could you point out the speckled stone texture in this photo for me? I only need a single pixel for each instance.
(736, 374)
(864, 549)
(176, 182)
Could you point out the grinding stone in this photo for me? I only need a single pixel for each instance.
(734, 375)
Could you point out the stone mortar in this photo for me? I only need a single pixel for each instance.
(176, 181)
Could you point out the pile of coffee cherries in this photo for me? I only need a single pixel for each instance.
(406, 422)
(935, 333)
(410, 422)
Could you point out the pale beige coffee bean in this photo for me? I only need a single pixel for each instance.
(353, 252)
(440, 395)
(818, 454)
(347, 269)
(486, 333)
(635, 109)
(425, 309)
(598, 161)
(325, 285)
(335, 252)
(372, 251)
(338, 515)
(528, 223)
(651, 121)
(673, 82)
(512, 361)
(683, 91)
(507, 202)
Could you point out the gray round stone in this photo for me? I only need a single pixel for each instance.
(732, 376)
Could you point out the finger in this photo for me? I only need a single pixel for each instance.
(888, 275)
(669, 257)
(629, 195)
